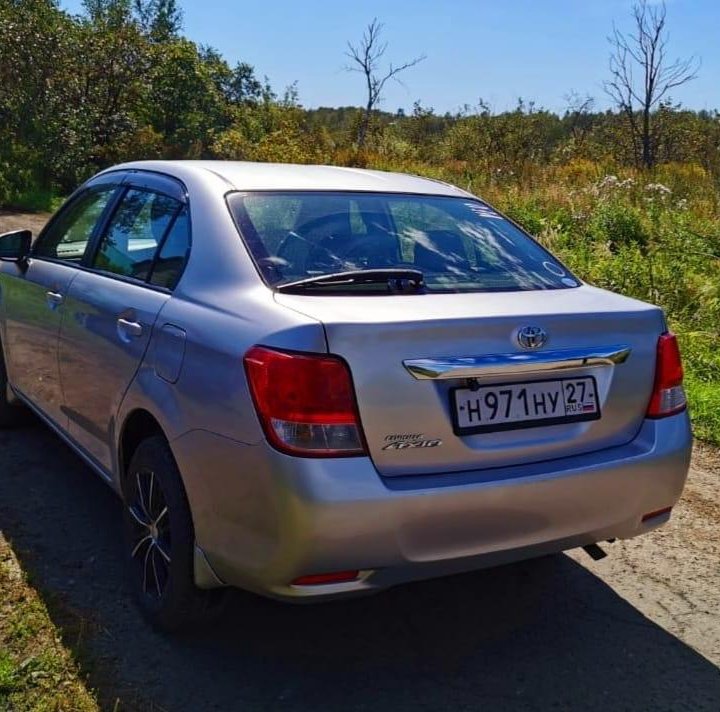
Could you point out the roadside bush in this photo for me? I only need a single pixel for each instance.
(528, 214)
(618, 225)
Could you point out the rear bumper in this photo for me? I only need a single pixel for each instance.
(263, 519)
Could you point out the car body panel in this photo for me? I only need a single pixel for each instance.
(262, 517)
(99, 354)
(33, 304)
(211, 392)
(302, 516)
(245, 175)
(377, 334)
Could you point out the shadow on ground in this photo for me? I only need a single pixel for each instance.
(545, 634)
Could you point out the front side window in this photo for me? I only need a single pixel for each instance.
(459, 244)
(136, 231)
(68, 236)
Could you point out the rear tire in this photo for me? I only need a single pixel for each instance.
(12, 413)
(160, 541)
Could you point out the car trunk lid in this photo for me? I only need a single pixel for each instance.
(407, 416)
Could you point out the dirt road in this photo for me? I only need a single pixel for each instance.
(638, 630)
(10, 220)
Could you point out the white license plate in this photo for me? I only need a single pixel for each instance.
(524, 405)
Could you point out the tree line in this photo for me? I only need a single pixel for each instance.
(121, 82)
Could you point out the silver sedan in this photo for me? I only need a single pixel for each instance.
(312, 382)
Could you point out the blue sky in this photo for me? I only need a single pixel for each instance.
(495, 49)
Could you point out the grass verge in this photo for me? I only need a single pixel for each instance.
(34, 201)
(704, 399)
(37, 672)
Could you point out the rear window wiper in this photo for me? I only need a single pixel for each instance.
(397, 281)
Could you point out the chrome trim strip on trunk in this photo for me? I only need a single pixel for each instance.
(517, 363)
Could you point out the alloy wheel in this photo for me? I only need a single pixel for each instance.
(150, 539)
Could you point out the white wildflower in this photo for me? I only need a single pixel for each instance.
(658, 189)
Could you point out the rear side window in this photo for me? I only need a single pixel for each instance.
(173, 253)
(68, 236)
(147, 238)
(135, 231)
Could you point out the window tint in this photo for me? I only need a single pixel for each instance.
(67, 238)
(408, 214)
(173, 254)
(137, 228)
(273, 215)
(322, 233)
(459, 244)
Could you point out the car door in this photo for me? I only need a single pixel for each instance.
(112, 307)
(34, 298)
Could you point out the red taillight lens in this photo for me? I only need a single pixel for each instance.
(306, 402)
(668, 395)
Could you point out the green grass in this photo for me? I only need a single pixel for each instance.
(37, 672)
(8, 678)
(701, 361)
(704, 401)
(35, 200)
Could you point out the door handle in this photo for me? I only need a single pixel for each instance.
(131, 328)
(54, 299)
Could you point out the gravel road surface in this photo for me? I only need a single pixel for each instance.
(637, 630)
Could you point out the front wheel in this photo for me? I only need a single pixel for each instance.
(160, 541)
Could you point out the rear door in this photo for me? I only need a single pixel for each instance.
(35, 298)
(112, 307)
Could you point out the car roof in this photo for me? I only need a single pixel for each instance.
(244, 175)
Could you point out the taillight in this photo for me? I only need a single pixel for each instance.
(306, 402)
(668, 395)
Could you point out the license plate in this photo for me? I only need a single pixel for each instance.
(509, 406)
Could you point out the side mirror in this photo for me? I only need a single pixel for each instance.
(15, 246)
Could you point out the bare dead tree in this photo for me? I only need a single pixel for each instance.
(366, 58)
(641, 75)
(578, 113)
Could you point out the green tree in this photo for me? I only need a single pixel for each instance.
(112, 85)
(160, 20)
(186, 111)
(239, 85)
(39, 121)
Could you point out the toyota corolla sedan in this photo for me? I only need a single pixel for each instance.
(312, 382)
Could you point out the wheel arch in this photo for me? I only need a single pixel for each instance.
(138, 425)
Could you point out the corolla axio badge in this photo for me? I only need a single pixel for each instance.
(532, 337)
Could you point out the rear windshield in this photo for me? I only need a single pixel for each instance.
(459, 244)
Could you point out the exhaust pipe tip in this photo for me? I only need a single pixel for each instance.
(594, 552)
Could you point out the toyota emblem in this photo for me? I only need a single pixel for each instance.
(532, 337)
